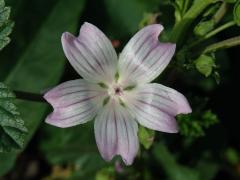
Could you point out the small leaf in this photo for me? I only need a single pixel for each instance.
(232, 156)
(5, 25)
(236, 13)
(106, 173)
(204, 27)
(146, 136)
(12, 129)
(193, 125)
(205, 64)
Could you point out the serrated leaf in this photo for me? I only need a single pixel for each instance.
(42, 64)
(5, 24)
(12, 129)
(194, 125)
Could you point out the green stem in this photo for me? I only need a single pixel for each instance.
(180, 28)
(235, 41)
(220, 13)
(217, 30)
(186, 5)
(212, 33)
(29, 96)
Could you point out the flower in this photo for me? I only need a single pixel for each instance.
(116, 91)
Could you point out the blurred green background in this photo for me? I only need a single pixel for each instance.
(207, 146)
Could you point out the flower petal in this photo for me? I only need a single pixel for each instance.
(74, 102)
(144, 57)
(116, 133)
(155, 106)
(91, 54)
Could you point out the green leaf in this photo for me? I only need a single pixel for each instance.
(146, 136)
(181, 6)
(7, 161)
(204, 27)
(107, 173)
(76, 141)
(232, 156)
(5, 25)
(181, 28)
(126, 15)
(205, 64)
(236, 13)
(173, 170)
(193, 125)
(12, 128)
(207, 168)
(42, 64)
(74, 146)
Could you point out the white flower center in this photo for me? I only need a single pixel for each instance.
(115, 91)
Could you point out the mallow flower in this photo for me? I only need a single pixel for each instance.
(116, 91)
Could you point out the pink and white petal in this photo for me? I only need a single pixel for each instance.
(144, 57)
(74, 102)
(116, 133)
(91, 54)
(155, 106)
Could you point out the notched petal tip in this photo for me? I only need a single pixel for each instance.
(88, 28)
(157, 28)
(185, 110)
(172, 46)
(128, 161)
(183, 105)
(172, 128)
(145, 57)
(47, 97)
(56, 122)
(106, 156)
(66, 38)
(53, 122)
(87, 24)
(50, 96)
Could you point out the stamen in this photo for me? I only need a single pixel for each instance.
(118, 91)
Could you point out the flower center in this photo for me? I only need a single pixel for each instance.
(118, 91)
(115, 91)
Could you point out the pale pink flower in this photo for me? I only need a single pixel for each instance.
(116, 91)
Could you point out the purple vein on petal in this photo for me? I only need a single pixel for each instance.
(90, 52)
